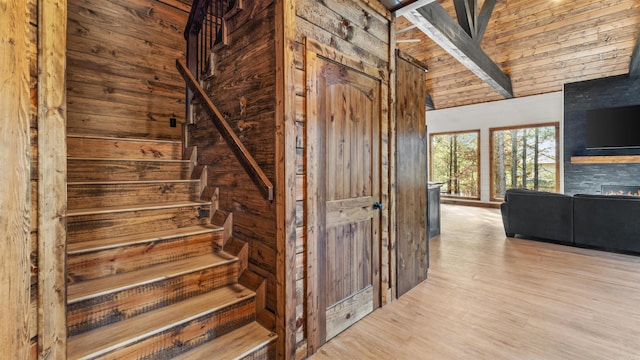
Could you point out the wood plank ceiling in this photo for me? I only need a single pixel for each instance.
(539, 44)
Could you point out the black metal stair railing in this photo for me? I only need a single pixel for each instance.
(205, 29)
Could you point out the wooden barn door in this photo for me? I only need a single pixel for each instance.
(412, 245)
(343, 107)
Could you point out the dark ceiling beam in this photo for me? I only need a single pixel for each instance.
(434, 21)
(411, 6)
(483, 19)
(466, 12)
(634, 65)
(429, 103)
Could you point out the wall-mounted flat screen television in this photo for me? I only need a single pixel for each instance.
(617, 127)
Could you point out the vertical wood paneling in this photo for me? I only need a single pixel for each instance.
(346, 148)
(382, 251)
(33, 119)
(52, 178)
(390, 294)
(332, 241)
(367, 148)
(15, 195)
(301, 231)
(346, 260)
(412, 245)
(368, 252)
(357, 139)
(287, 313)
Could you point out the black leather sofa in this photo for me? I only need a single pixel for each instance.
(538, 214)
(606, 222)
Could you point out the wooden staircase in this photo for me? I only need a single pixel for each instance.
(152, 269)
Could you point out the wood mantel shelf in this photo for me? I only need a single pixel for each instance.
(606, 159)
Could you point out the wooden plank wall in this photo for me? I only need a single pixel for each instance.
(52, 179)
(243, 88)
(16, 42)
(33, 120)
(540, 44)
(360, 31)
(286, 179)
(121, 78)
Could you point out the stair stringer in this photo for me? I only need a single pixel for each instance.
(230, 244)
(199, 172)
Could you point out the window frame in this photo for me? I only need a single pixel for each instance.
(478, 164)
(555, 124)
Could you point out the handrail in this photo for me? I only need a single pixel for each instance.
(246, 160)
(196, 17)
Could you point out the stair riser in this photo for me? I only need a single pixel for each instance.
(103, 226)
(85, 196)
(239, 249)
(102, 310)
(101, 170)
(96, 125)
(266, 352)
(123, 149)
(97, 264)
(180, 339)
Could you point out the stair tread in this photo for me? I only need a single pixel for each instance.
(109, 243)
(124, 139)
(234, 345)
(110, 284)
(136, 207)
(107, 338)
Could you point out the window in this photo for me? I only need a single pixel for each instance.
(524, 157)
(455, 162)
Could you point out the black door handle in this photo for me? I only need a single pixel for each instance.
(377, 206)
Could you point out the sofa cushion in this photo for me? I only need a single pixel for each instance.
(538, 214)
(607, 221)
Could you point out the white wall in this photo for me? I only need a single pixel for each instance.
(519, 111)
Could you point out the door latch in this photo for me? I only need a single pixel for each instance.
(377, 206)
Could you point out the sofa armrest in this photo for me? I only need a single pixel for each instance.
(504, 209)
(539, 214)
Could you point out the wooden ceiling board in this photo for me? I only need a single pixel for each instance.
(539, 44)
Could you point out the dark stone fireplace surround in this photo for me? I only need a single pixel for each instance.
(593, 94)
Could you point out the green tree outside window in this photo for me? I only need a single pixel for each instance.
(455, 163)
(524, 157)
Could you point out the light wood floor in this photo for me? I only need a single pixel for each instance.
(491, 297)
